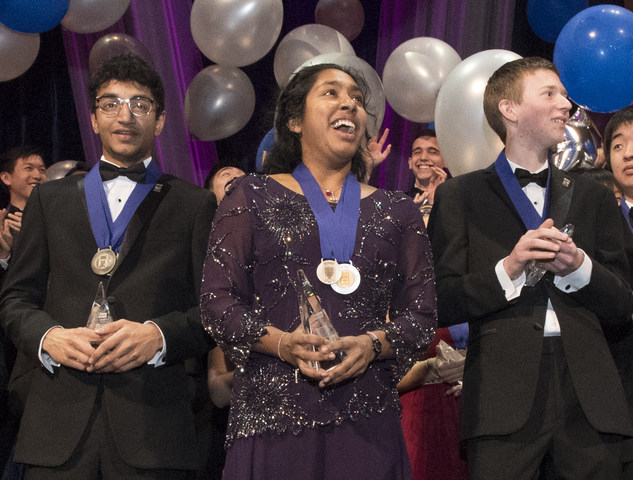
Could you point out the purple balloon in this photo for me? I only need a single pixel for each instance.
(115, 44)
(344, 16)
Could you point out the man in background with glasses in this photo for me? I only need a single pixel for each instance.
(124, 246)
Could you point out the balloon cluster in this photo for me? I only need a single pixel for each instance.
(221, 98)
(21, 22)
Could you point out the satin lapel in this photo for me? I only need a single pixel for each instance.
(494, 182)
(141, 217)
(561, 192)
(82, 196)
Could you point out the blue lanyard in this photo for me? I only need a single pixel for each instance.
(337, 228)
(106, 232)
(530, 217)
(625, 211)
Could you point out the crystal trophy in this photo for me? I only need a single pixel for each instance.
(100, 314)
(535, 271)
(315, 320)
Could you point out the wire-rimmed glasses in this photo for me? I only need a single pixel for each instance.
(111, 105)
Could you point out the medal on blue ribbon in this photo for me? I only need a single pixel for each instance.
(108, 234)
(337, 229)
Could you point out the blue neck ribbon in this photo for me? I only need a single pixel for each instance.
(337, 228)
(106, 232)
(625, 211)
(530, 217)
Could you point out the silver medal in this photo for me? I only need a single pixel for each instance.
(329, 271)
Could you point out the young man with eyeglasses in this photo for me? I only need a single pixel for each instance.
(115, 401)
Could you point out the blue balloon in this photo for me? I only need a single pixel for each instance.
(548, 17)
(594, 55)
(32, 16)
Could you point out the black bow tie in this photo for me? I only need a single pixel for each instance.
(524, 177)
(136, 172)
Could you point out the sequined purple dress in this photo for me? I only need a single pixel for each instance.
(282, 426)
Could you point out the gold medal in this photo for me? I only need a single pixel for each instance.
(328, 271)
(104, 261)
(349, 281)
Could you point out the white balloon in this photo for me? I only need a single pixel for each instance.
(466, 140)
(375, 101)
(304, 43)
(220, 100)
(18, 51)
(413, 75)
(88, 16)
(237, 32)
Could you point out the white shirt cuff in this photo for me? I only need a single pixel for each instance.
(159, 358)
(47, 362)
(4, 262)
(511, 288)
(577, 279)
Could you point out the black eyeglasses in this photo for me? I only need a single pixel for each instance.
(111, 106)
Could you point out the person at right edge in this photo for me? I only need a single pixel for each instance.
(539, 381)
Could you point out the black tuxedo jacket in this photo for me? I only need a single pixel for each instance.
(50, 282)
(473, 225)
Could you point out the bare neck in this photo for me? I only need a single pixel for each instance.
(525, 156)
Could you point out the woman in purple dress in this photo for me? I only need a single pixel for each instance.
(289, 420)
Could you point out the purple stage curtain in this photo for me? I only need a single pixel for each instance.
(469, 26)
(162, 26)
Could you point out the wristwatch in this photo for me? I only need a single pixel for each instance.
(376, 344)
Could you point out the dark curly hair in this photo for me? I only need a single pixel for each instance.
(128, 68)
(286, 152)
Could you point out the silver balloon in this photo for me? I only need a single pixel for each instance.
(88, 16)
(115, 44)
(580, 147)
(376, 99)
(18, 51)
(237, 32)
(304, 43)
(413, 75)
(60, 169)
(466, 140)
(219, 102)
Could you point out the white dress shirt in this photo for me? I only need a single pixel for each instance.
(569, 283)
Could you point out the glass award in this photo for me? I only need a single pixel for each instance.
(535, 271)
(100, 312)
(315, 320)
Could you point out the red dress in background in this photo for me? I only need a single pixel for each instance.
(431, 422)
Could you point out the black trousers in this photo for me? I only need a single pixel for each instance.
(557, 428)
(96, 457)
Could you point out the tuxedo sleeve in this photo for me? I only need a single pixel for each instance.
(608, 295)
(24, 286)
(183, 331)
(466, 289)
